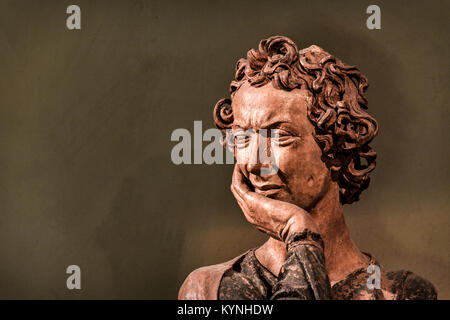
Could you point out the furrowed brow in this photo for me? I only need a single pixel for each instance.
(274, 125)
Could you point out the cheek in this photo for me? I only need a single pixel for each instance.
(303, 168)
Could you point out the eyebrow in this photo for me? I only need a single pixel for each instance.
(275, 124)
(272, 125)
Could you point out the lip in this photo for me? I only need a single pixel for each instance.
(268, 193)
(267, 189)
(267, 186)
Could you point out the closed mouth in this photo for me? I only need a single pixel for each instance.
(269, 192)
(267, 189)
(267, 186)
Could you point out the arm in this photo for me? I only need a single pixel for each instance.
(303, 275)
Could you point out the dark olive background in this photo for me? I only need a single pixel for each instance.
(86, 116)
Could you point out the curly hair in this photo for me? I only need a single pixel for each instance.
(343, 129)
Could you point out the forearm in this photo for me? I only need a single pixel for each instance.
(303, 275)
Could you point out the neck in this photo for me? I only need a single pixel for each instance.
(341, 254)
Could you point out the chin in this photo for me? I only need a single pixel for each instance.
(277, 194)
(282, 196)
(304, 201)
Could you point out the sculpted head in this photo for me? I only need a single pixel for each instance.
(316, 104)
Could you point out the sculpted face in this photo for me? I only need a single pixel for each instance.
(302, 177)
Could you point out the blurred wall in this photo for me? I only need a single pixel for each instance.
(86, 116)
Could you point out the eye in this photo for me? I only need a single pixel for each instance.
(282, 137)
(242, 139)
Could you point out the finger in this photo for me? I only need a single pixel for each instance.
(253, 201)
(243, 205)
(240, 181)
(241, 185)
(260, 225)
(238, 198)
(251, 215)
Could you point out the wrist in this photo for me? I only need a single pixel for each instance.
(306, 237)
(297, 224)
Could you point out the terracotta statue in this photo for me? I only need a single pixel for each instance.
(316, 104)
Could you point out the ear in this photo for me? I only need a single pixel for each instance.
(223, 119)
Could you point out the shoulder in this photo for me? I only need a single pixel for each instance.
(410, 286)
(203, 283)
(197, 284)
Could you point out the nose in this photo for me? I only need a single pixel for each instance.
(254, 168)
(260, 160)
